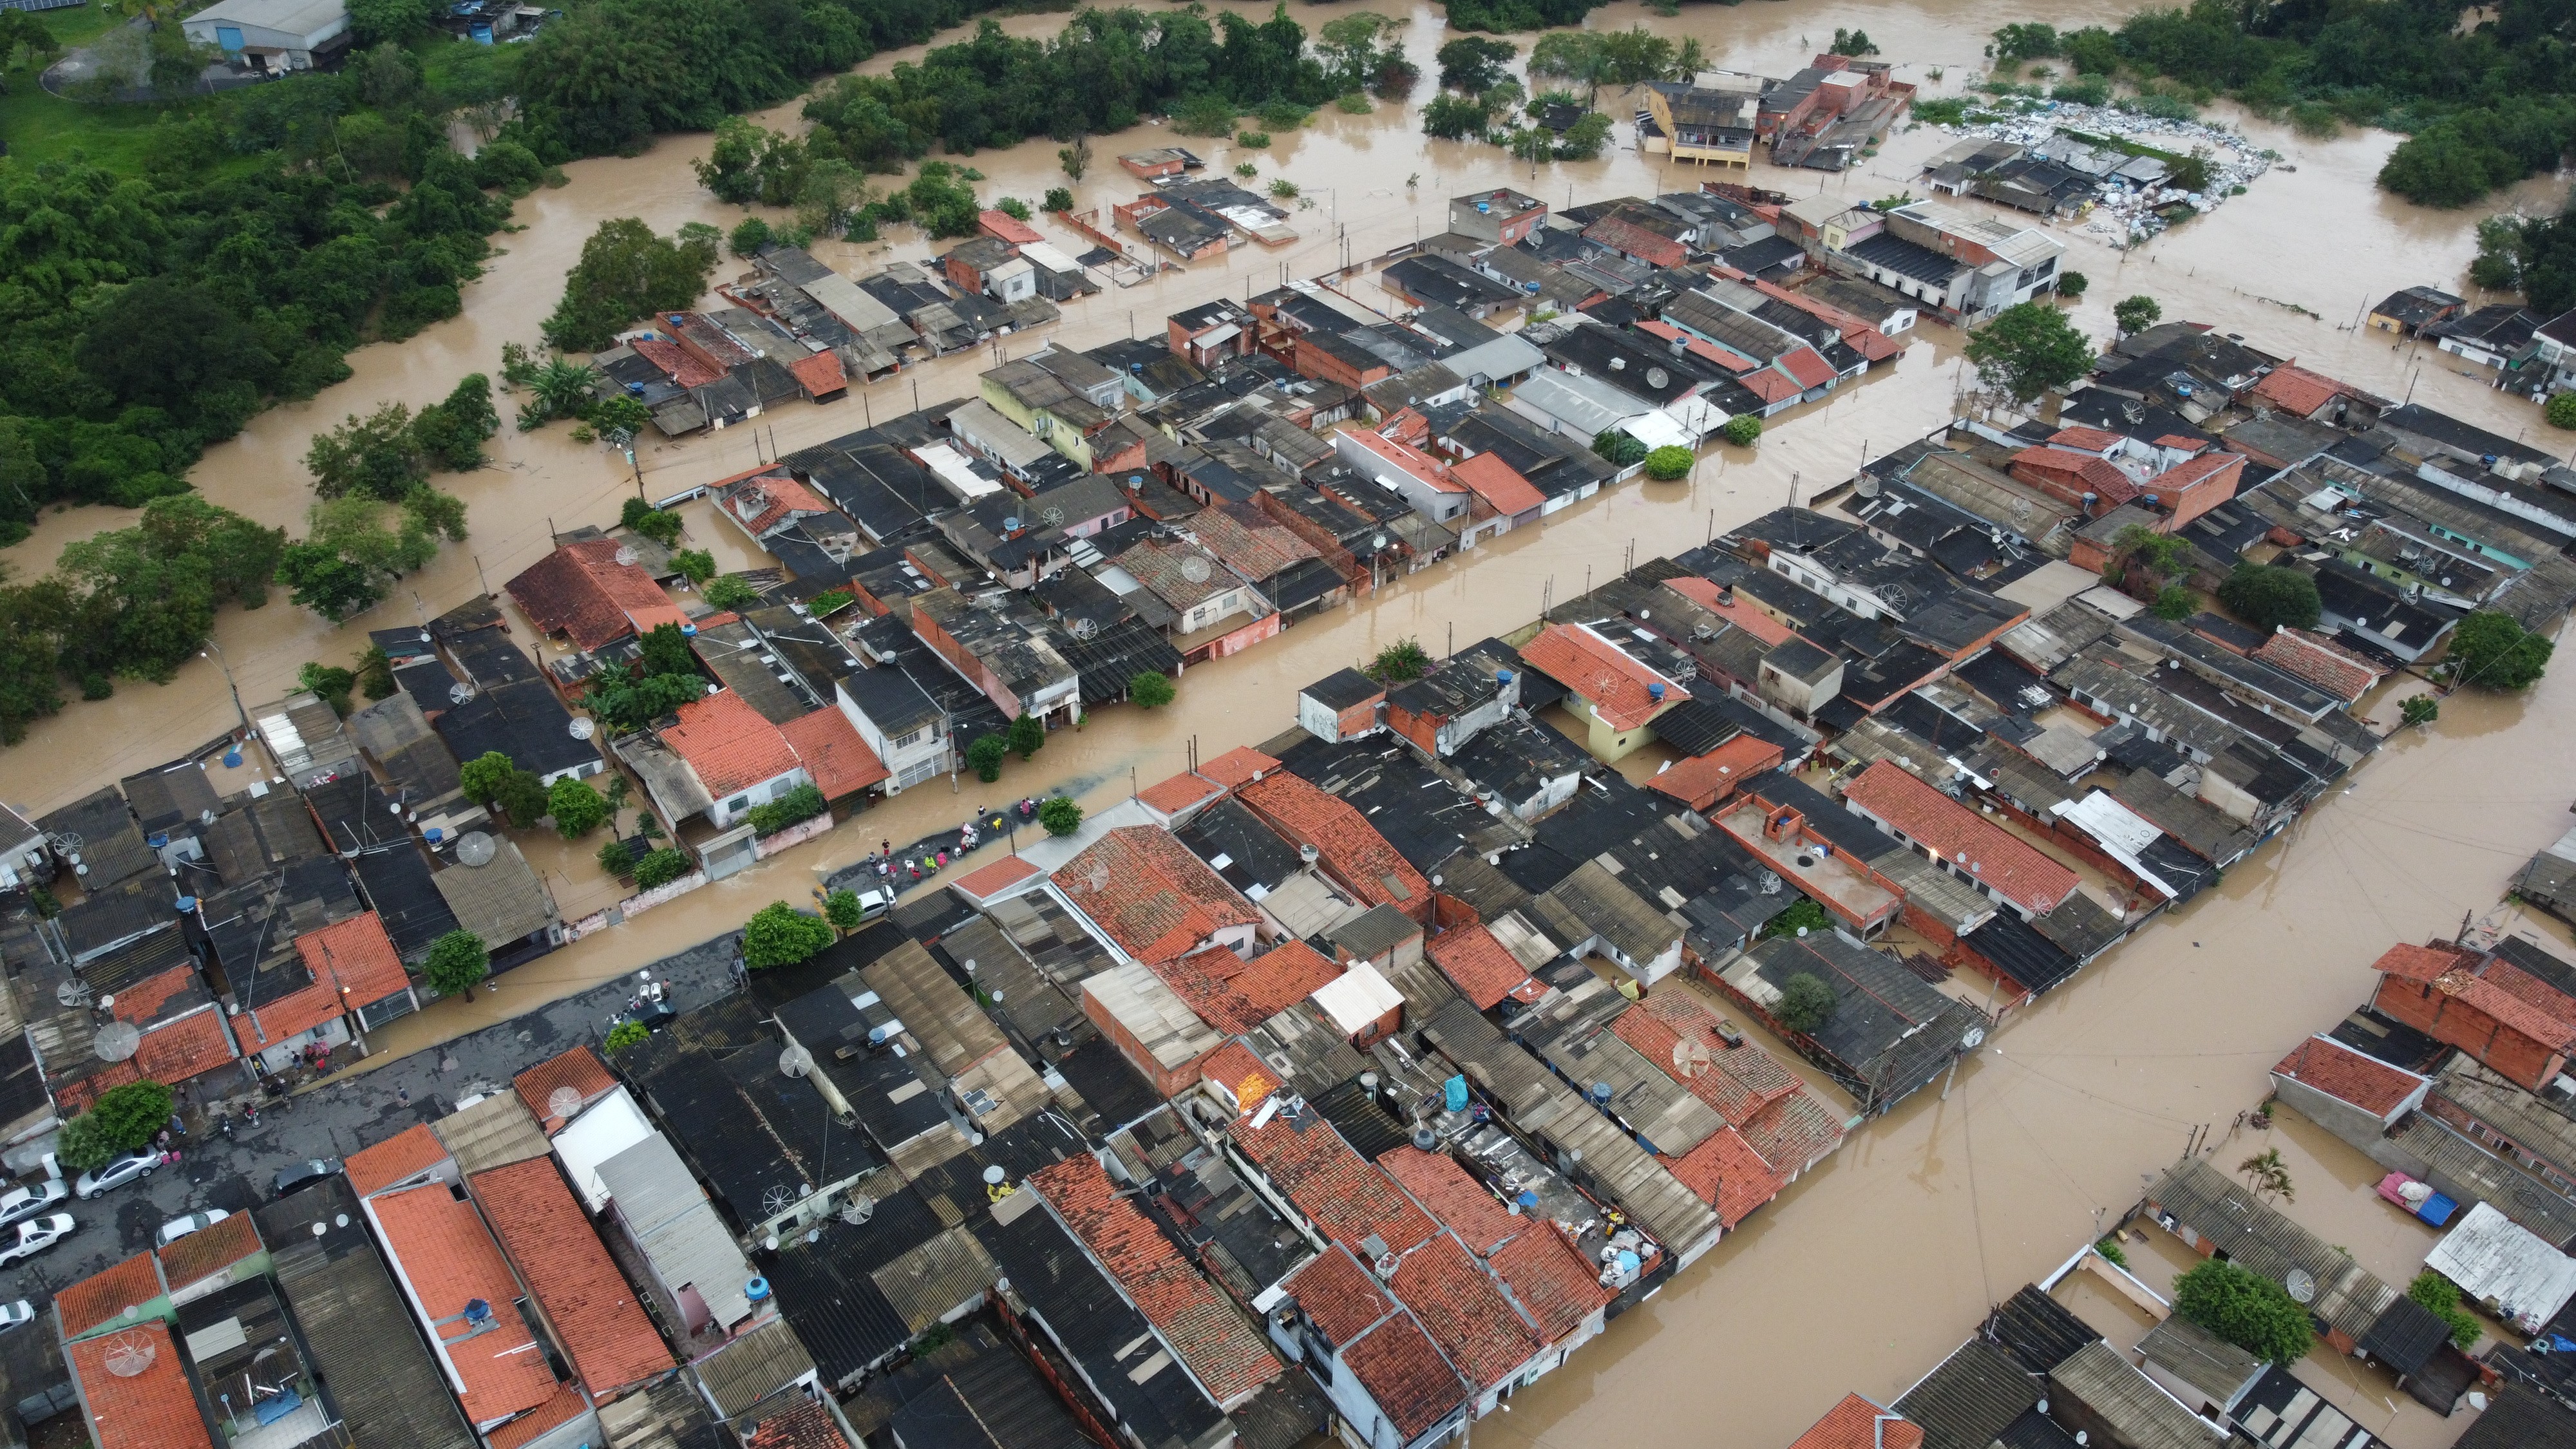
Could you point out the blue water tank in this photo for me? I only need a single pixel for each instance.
(1502, 676)
(757, 1289)
(1655, 691)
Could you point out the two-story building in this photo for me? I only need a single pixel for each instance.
(1501, 216)
(1706, 125)
(1013, 665)
(737, 755)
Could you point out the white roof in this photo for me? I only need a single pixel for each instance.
(1584, 404)
(856, 310)
(1656, 429)
(1506, 356)
(295, 17)
(1218, 337)
(1012, 268)
(2505, 1266)
(669, 1217)
(1699, 417)
(1359, 997)
(608, 1127)
(1045, 255)
(2122, 832)
(995, 435)
(954, 473)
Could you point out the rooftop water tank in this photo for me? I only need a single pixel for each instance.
(757, 1289)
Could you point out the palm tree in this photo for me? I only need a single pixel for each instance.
(2268, 1175)
(562, 387)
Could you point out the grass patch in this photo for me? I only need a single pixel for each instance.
(40, 126)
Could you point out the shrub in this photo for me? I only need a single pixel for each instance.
(2267, 596)
(1060, 815)
(1012, 207)
(1284, 115)
(2492, 651)
(576, 807)
(2174, 603)
(1059, 198)
(2073, 285)
(731, 592)
(1204, 115)
(780, 935)
(695, 564)
(618, 859)
(842, 909)
(1246, 170)
(1028, 735)
(2248, 1310)
(331, 684)
(748, 236)
(1354, 104)
(1283, 188)
(1618, 448)
(457, 964)
(626, 1034)
(1743, 430)
(1151, 689)
(2419, 709)
(1806, 1003)
(796, 806)
(985, 756)
(1803, 914)
(1668, 463)
(660, 867)
(830, 602)
(2441, 1297)
(1952, 111)
(2561, 411)
(659, 525)
(1253, 139)
(2138, 313)
(1403, 660)
(2109, 1247)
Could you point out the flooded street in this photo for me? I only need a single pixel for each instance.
(1871, 1268)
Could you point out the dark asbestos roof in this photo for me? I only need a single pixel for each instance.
(1254, 854)
(2037, 1329)
(2017, 949)
(1108, 1085)
(974, 1393)
(1364, 1122)
(827, 1290)
(1969, 1400)
(1095, 1325)
(354, 1324)
(400, 890)
(2521, 1418)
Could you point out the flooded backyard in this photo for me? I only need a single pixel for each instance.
(1870, 1269)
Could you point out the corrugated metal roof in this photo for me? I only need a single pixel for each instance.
(671, 1220)
(2140, 1414)
(2200, 1358)
(2226, 1215)
(2504, 1266)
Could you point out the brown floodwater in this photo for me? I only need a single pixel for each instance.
(1868, 1270)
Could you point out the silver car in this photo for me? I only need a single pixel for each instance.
(27, 1199)
(35, 1237)
(118, 1173)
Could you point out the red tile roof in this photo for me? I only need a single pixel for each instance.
(1455, 1200)
(1482, 969)
(153, 1409)
(984, 882)
(1856, 1423)
(2347, 1075)
(1982, 850)
(1629, 239)
(1476, 1327)
(581, 590)
(2075, 470)
(446, 1258)
(1616, 686)
(1789, 1125)
(1857, 331)
(208, 1251)
(2420, 964)
(2180, 443)
(1499, 484)
(1234, 995)
(554, 1413)
(821, 373)
(1770, 386)
(1810, 369)
(1351, 847)
(77, 1095)
(830, 749)
(145, 1000)
(1244, 1077)
(2292, 388)
(678, 362)
(1237, 766)
(398, 1158)
(1557, 1287)
(1698, 347)
(729, 743)
(103, 1297)
(1249, 541)
(356, 958)
(1722, 602)
(1346, 1198)
(807, 1426)
(1179, 793)
(1704, 780)
(2318, 660)
(2209, 470)
(1154, 898)
(1219, 1345)
(2516, 1000)
(578, 1068)
(1002, 226)
(1413, 1387)
(596, 1315)
(767, 500)
(182, 1049)
(2084, 440)
(1726, 1174)
(1341, 1295)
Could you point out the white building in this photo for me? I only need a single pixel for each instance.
(272, 35)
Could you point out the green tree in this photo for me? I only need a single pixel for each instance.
(626, 272)
(1075, 159)
(2418, 709)
(2136, 314)
(985, 755)
(21, 31)
(1802, 914)
(1618, 448)
(376, 673)
(378, 456)
(748, 236)
(1403, 660)
(331, 684)
(1669, 463)
(2268, 596)
(1013, 207)
(457, 964)
(779, 935)
(2073, 285)
(2561, 411)
(659, 867)
(626, 1034)
(731, 592)
(484, 776)
(1806, 1003)
(2442, 1298)
(1151, 689)
(1028, 735)
(131, 1115)
(2248, 1310)
(2174, 603)
(660, 525)
(375, 22)
(450, 432)
(1454, 118)
(842, 909)
(2016, 43)
(1059, 198)
(1060, 814)
(1852, 43)
(1743, 430)
(576, 807)
(2491, 651)
(617, 858)
(1473, 64)
(2029, 349)
(695, 564)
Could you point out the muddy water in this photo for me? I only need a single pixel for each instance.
(1868, 1270)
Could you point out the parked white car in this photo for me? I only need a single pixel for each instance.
(26, 1199)
(35, 1237)
(11, 1315)
(177, 1228)
(118, 1173)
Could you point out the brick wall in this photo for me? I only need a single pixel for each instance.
(2447, 1019)
(1166, 1084)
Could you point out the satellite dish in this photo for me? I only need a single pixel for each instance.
(563, 1102)
(1690, 1058)
(858, 1209)
(1657, 377)
(776, 1200)
(475, 848)
(583, 727)
(1085, 628)
(116, 1041)
(460, 693)
(1975, 1038)
(2302, 1285)
(994, 1175)
(626, 554)
(1196, 569)
(65, 842)
(1054, 516)
(796, 1061)
(129, 1355)
(71, 991)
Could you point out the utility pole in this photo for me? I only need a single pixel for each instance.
(227, 666)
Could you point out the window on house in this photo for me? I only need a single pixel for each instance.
(912, 738)
(738, 802)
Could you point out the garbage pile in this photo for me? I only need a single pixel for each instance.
(2133, 200)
